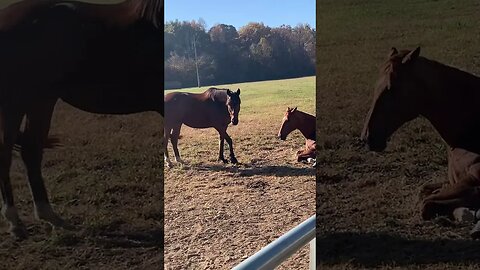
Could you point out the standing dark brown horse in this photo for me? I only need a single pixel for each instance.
(214, 108)
(306, 123)
(99, 58)
(412, 86)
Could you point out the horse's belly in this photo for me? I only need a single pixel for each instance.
(198, 122)
(114, 102)
(206, 118)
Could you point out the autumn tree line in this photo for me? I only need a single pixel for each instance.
(223, 54)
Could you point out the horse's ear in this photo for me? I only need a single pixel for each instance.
(411, 56)
(229, 92)
(393, 51)
(288, 109)
(238, 91)
(294, 109)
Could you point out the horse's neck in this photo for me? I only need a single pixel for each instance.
(217, 95)
(307, 125)
(120, 14)
(150, 10)
(452, 101)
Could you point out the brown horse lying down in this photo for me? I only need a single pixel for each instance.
(309, 152)
(295, 119)
(412, 86)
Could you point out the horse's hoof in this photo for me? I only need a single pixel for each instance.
(19, 232)
(223, 160)
(46, 214)
(463, 214)
(233, 160)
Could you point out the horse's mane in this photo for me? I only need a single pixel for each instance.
(217, 94)
(388, 69)
(150, 10)
(388, 66)
(304, 113)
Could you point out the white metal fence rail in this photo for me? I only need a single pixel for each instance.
(281, 249)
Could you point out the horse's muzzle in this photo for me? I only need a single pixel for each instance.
(234, 122)
(283, 138)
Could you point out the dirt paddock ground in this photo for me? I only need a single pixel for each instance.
(107, 180)
(217, 215)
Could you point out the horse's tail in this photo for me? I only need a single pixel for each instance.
(50, 143)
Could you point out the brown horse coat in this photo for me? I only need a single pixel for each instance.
(98, 58)
(214, 108)
(294, 119)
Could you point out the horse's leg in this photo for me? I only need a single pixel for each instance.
(35, 135)
(431, 188)
(9, 125)
(448, 199)
(166, 137)
(221, 133)
(233, 159)
(174, 138)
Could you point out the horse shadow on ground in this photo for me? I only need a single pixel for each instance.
(246, 170)
(370, 250)
(109, 236)
(143, 239)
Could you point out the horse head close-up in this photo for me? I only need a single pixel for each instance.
(396, 98)
(233, 104)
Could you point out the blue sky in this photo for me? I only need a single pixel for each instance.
(238, 13)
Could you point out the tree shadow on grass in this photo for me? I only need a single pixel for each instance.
(371, 250)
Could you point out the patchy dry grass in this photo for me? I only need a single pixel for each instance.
(217, 215)
(367, 203)
(108, 181)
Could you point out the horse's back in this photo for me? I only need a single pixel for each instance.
(176, 97)
(15, 13)
(57, 49)
(177, 103)
(194, 110)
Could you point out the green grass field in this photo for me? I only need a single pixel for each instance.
(268, 96)
(368, 211)
(217, 215)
